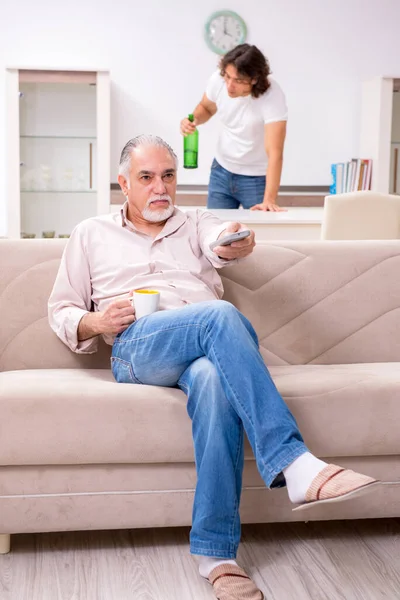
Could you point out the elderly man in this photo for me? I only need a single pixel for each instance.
(196, 342)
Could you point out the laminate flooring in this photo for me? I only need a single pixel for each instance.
(335, 560)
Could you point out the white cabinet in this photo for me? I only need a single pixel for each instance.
(375, 130)
(58, 150)
(380, 132)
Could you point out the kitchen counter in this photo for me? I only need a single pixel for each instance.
(294, 224)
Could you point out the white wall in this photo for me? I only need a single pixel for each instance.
(319, 51)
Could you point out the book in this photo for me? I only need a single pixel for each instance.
(339, 178)
(360, 178)
(351, 176)
(332, 188)
(368, 178)
(345, 176)
(353, 183)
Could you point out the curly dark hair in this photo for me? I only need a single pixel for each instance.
(250, 62)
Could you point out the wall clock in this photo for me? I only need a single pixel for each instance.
(224, 30)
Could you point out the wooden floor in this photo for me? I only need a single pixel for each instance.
(357, 560)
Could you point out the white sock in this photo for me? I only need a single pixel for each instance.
(300, 474)
(208, 563)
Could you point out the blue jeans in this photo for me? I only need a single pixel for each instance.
(229, 190)
(210, 351)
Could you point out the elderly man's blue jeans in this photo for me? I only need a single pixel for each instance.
(210, 351)
(230, 190)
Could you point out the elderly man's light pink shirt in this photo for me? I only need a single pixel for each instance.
(106, 258)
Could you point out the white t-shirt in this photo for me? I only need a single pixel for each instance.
(240, 147)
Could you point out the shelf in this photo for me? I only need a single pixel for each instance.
(57, 137)
(58, 191)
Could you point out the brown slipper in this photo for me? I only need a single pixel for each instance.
(232, 583)
(334, 484)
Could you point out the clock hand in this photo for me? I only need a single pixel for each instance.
(225, 31)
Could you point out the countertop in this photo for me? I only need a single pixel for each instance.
(293, 216)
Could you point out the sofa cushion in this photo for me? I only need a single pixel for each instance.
(82, 416)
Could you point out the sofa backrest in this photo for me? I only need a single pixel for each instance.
(310, 302)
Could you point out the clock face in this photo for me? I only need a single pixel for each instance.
(224, 30)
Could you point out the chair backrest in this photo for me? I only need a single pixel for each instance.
(309, 302)
(361, 216)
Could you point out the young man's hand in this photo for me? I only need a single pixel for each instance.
(268, 206)
(239, 249)
(187, 127)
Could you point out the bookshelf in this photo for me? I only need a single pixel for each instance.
(352, 176)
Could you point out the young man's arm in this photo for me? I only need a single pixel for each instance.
(274, 141)
(202, 113)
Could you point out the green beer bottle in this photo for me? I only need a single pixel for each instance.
(190, 148)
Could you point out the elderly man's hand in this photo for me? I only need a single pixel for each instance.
(236, 249)
(117, 316)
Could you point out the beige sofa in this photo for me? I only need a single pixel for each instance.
(79, 451)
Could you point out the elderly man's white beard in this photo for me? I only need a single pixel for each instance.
(156, 216)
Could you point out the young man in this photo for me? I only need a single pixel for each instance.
(196, 342)
(252, 108)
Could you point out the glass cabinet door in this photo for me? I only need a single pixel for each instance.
(58, 144)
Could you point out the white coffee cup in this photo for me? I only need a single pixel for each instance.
(145, 302)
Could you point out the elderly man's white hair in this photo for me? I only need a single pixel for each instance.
(141, 140)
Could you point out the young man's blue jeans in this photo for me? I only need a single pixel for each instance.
(210, 351)
(229, 190)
